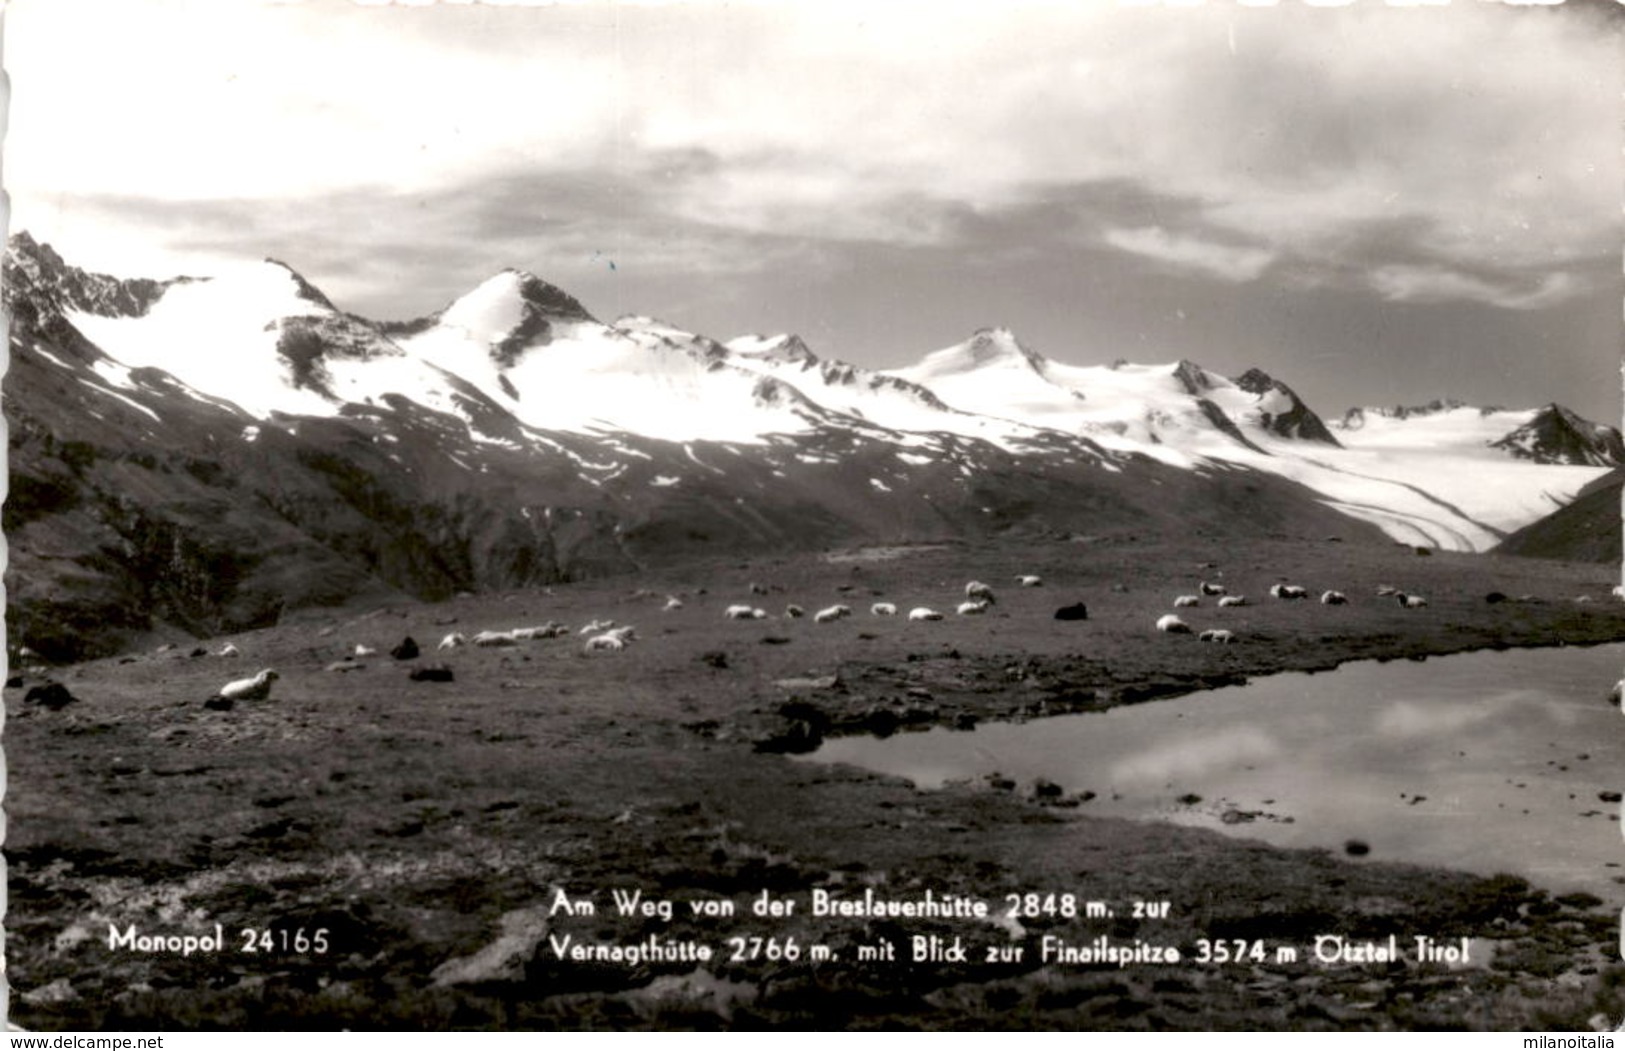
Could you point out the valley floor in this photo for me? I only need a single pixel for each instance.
(442, 837)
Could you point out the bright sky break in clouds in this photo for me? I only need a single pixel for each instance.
(1312, 190)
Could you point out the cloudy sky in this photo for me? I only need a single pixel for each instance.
(1377, 204)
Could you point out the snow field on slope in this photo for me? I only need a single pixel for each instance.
(212, 335)
(590, 378)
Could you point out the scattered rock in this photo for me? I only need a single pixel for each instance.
(52, 695)
(1610, 797)
(715, 658)
(219, 704)
(435, 673)
(1495, 597)
(346, 665)
(503, 960)
(406, 651)
(1076, 611)
(60, 991)
(1044, 788)
(1357, 848)
(820, 682)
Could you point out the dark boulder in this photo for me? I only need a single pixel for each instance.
(1076, 611)
(1494, 597)
(406, 651)
(438, 673)
(52, 695)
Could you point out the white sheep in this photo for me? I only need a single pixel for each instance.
(1288, 591)
(739, 612)
(1333, 598)
(626, 633)
(883, 609)
(1030, 581)
(673, 603)
(1410, 601)
(971, 609)
(596, 626)
(228, 650)
(605, 644)
(256, 689)
(923, 613)
(452, 641)
(1186, 600)
(1217, 635)
(1619, 591)
(793, 611)
(1212, 589)
(1233, 600)
(976, 590)
(832, 613)
(1172, 624)
(365, 651)
(495, 638)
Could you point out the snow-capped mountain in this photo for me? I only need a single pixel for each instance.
(269, 450)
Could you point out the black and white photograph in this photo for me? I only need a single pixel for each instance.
(716, 516)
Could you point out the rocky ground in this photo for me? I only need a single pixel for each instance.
(441, 835)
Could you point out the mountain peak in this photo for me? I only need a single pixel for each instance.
(1555, 434)
(987, 348)
(1281, 410)
(306, 289)
(1194, 378)
(786, 348)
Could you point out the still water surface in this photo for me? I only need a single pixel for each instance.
(1492, 761)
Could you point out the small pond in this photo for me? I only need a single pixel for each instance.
(1492, 761)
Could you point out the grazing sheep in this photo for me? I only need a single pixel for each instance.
(495, 638)
(1619, 591)
(1288, 591)
(923, 613)
(605, 644)
(832, 613)
(365, 651)
(256, 689)
(794, 611)
(976, 590)
(1217, 635)
(626, 633)
(1076, 611)
(1411, 601)
(596, 626)
(883, 609)
(1333, 598)
(228, 650)
(1173, 625)
(1233, 600)
(971, 609)
(739, 612)
(1030, 581)
(1186, 600)
(1212, 589)
(673, 603)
